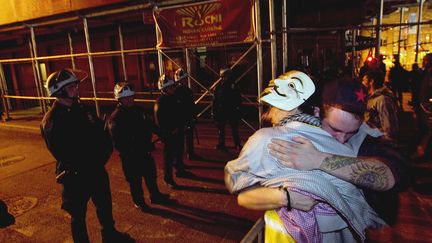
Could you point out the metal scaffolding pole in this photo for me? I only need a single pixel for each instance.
(36, 80)
(159, 51)
(378, 29)
(418, 30)
(401, 10)
(67, 56)
(196, 81)
(259, 56)
(354, 56)
(3, 92)
(122, 53)
(217, 81)
(71, 50)
(284, 37)
(188, 66)
(38, 76)
(90, 59)
(272, 39)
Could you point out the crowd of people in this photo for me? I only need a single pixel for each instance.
(386, 98)
(326, 170)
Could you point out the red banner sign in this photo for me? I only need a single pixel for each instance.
(205, 24)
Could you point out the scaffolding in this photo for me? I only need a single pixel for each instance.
(35, 59)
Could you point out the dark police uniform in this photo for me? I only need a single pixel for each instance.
(169, 118)
(187, 105)
(132, 131)
(226, 107)
(77, 140)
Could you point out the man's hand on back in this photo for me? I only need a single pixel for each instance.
(301, 155)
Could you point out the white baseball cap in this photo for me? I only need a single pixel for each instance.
(289, 90)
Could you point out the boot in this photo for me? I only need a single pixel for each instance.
(114, 236)
(184, 174)
(142, 206)
(160, 198)
(170, 182)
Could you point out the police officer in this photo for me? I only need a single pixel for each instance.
(77, 140)
(226, 107)
(168, 117)
(131, 131)
(187, 103)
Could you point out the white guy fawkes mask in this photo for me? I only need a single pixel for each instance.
(289, 90)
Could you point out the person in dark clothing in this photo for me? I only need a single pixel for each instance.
(398, 80)
(187, 103)
(226, 108)
(415, 79)
(381, 64)
(77, 140)
(415, 82)
(131, 131)
(425, 96)
(363, 69)
(168, 116)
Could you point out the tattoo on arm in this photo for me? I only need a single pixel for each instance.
(370, 176)
(335, 162)
(363, 173)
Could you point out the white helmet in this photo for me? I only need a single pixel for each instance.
(164, 82)
(122, 90)
(180, 74)
(224, 72)
(289, 90)
(59, 79)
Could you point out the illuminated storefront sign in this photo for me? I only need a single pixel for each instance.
(205, 24)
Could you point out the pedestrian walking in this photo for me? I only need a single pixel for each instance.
(398, 80)
(76, 138)
(132, 131)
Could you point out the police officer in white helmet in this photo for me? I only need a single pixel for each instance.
(185, 95)
(131, 131)
(76, 138)
(168, 115)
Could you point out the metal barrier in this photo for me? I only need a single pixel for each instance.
(256, 233)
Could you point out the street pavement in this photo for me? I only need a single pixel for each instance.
(203, 210)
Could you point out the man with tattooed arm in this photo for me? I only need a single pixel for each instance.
(379, 169)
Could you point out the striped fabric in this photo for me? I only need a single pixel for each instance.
(303, 118)
(256, 166)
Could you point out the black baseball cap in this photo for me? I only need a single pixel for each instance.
(347, 94)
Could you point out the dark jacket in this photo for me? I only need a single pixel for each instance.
(386, 203)
(426, 85)
(168, 114)
(227, 101)
(76, 138)
(187, 103)
(398, 77)
(131, 131)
